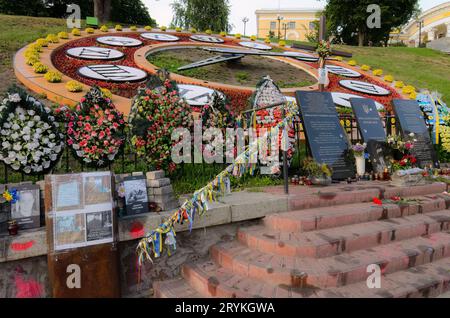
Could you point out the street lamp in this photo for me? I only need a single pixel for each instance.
(245, 20)
(279, 18)
(420, 24)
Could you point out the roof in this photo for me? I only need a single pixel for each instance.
(289, 10)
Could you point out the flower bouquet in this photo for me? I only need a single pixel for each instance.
(30, 136)
(95, 129)
(318, 174)
(359, 151)
(156, 112)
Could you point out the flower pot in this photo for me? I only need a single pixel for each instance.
(360, 165)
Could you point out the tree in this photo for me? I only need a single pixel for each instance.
(202, 14)
(131, 12)
(347, 20)
(102, 10)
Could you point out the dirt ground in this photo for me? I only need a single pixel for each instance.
(247, 71)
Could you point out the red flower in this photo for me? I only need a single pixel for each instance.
(101, 135)
(377, 201)
(88, 127)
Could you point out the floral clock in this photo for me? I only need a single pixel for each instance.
(30, 136)
(95, 129)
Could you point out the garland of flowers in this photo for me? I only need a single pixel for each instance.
(95, 129)
(153, 243)
(154, 115)
(30, 137)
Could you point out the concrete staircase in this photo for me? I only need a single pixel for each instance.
(324, 245)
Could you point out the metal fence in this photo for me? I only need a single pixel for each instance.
(129, 162)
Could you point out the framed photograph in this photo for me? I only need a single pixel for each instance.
(27, 210)
(5, 212)
(67, 192)
(69, 231)
(99, 227)
(97, 188)
(136, 198)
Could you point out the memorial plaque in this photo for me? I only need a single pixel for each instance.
(411, 120)
(371, 129)
(27, 210)
(326, 137)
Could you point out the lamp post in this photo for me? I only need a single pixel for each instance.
(420, 24)
(279, 18)
(285, 30)
(245, 20)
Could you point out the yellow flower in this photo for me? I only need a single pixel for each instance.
(163, 28)
(41, 42)
(237, 36)
(53, 76)
(193, 30)
(338, 58)
(209, 32)
(267, 40)
(90, 30)
(133, 28)
(118, 27)
(40, 68)
(389, 78)
(378, 72)
(253, 38)
(106, 92)
(52, 38)
(352, 63)
(178, 29)
(223, 33)
(282, 43)
(74, 86)
(76, 32)
(63, 35)
(148, 28)
(408, 89)
(399, 84)
(7, 196)
(31, 60)
(365, 68)
(104, 28)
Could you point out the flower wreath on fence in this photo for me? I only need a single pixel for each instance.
(30, 136)
(95, 129)
(156, 112)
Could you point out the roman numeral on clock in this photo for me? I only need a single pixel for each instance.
(111, 71)
(95, 53)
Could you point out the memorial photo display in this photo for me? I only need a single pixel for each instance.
(411, 120)
(136, 199)
(82, 210)
(326, 137)
(27, 210)
(371, 129)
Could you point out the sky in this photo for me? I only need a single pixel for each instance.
(161, 11)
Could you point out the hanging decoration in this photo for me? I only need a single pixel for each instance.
(29, 134)
(95, 129)
(152, 245)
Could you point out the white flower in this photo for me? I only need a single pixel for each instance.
(31, 112)
(26, 130)
(15, 167)
(15, 98)
(57, 149)
(27, 169)
(46, 164)
(53, 157)
(45, 141)
(47, 110)
(30, 124)
(39, 131)
(7, 125)
(46, 126)
(76, 146)
(6, 144)
(17, 147)
(26, 137)
(15, 135)
(15, 127)
(11, 155)
(80, 153)
(52, 136)
(37, 118)
(22, 117)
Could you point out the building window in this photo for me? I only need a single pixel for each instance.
(273, 25)
(291, 25)
(312, 26)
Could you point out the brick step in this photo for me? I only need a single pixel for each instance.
(330, 217)
(301, 198)
(333, 271)
(329, 242)
(425, 281)
(211, 280)
(174, 288)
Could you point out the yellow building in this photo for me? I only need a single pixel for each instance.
(294, 24)
(432, 24)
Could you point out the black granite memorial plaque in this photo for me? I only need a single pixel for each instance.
(326, 137)
(411, 120)
(371, 129)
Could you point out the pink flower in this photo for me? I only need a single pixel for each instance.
(88, 127)
(101, 135)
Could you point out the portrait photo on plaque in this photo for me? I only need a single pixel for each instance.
(69, 231)
(99, 226)
(97, 188)
(27, 209)
(67, 193)
(136, 199)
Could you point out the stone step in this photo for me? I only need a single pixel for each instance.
(211, 280)
(333, 271)
(425, 281)
(330, 217)
(301, 198)
(329, 242)
(174, 289)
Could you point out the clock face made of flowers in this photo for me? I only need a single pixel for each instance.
(117, 61)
